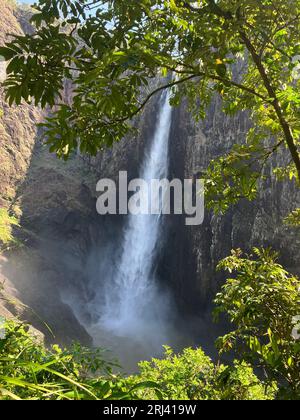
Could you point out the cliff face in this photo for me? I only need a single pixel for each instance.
(64, 239)
(55, 206)
(17, 124)
(198, 249)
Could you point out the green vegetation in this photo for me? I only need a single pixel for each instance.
(29, 371)
(6, 226)
(193, 376)
(293, 219)
(113, 52)
(245, 52)
(262, 302)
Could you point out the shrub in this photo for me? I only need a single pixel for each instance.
(263, 303)
(30, 371)
(192, 375)
(6, 224)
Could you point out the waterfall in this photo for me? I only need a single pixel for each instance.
(134, 304)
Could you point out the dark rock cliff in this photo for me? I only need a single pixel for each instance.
(195, 251)
(54, 205)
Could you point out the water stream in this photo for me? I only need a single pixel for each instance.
(133, 302)
(135, 317)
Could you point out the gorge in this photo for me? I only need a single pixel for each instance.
(83, 274)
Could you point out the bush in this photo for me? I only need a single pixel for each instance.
(6, 224)
(193, 376)
(30, 371)
(263, 303)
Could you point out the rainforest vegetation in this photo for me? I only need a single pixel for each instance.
(248, 53)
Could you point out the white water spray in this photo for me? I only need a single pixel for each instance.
(134, 306)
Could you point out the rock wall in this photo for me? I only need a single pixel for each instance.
(194, 252)
(55, 206)
(17, 124)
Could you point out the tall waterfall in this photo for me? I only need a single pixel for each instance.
(134, 305)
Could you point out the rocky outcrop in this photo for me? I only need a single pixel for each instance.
(54, 204)
(17, 124)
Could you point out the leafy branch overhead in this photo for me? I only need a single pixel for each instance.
(245, 51)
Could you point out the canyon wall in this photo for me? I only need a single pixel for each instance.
(192, 262)
(54, 204)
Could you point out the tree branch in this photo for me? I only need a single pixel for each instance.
(154, 92)
(235, 84)
(178, 82)
(220, 79)
(217, 10)
(275, 102)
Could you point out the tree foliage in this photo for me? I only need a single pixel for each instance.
(293, 219)
(263, 303)
(245, 51)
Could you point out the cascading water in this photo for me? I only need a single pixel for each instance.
(128, 311)
(134, 305)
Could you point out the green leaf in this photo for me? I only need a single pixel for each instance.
(7, 53)
(221, 70)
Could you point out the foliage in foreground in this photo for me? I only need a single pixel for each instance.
(193, 376)
(263, 303)
(29, 371)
